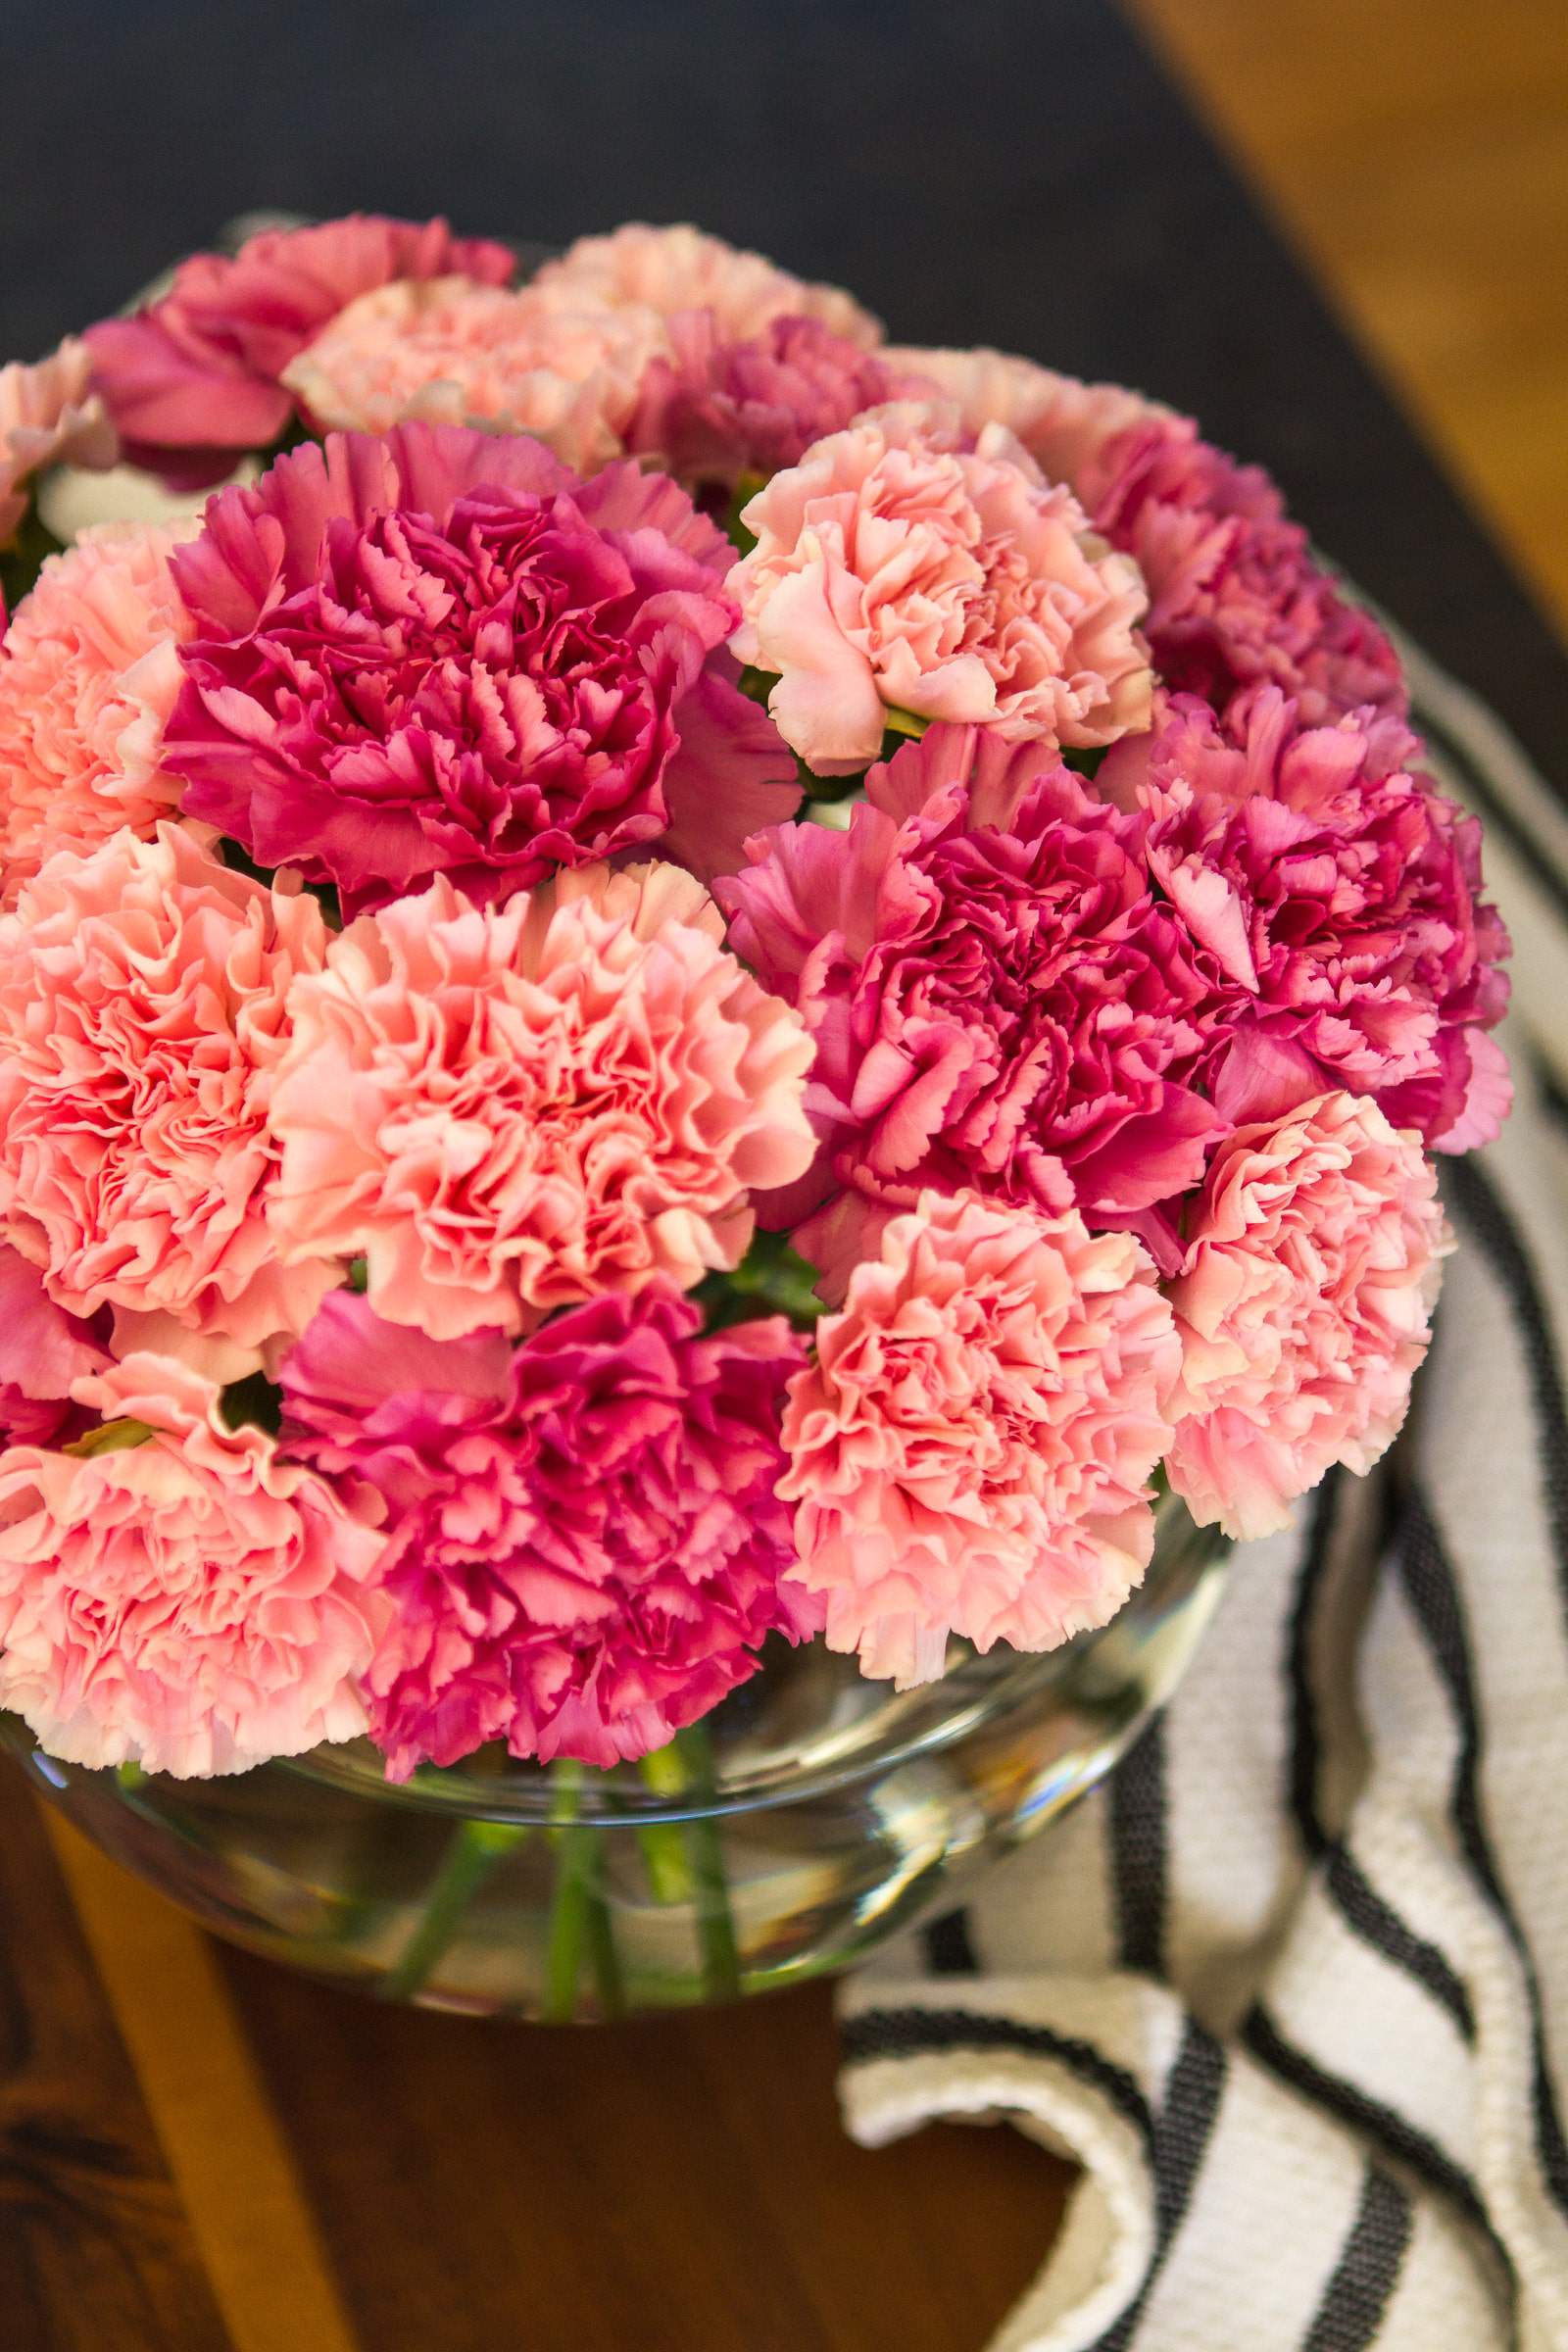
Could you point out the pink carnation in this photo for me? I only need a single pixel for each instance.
(192, 1602)
(584, 1540)
(49, 416)
(1068, 426)
(43, 1352)
(507, 1110)
(894, 568)
(88, 675)
(452, 352)
(674, 269)
(142, 1021)
(441, 653)
(971, 1452)
(1011, 1012)
(715, 409)
(196, 377)
(1235, 593)
(1304, 1306)
(1340, 895)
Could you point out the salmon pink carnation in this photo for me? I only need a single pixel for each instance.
(142, 1021)
(1009, 1011)
(43, 1352)
(896, 567)
(1304, 1306)
(49, 416)
(508, 1109)
(585, 1544)
(971, 1452)
(195, 378)
(714, 409)
(1340, 895)
(441, 653)
(564, 368)
(1066, 425)
(88, 675)
(682, 269)
(190, 1602)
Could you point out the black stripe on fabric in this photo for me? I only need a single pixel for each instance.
(1490, 802)
(1433, 1596)
(1366, 1912)
(1393, 2133)
(1367, 2272)
(1137, 1818)
(1183, 2129)
(925, 2033)
(1553, 1093)
(949, 1948)
(1483, 1211)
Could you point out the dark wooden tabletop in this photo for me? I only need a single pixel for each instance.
(197, 2152)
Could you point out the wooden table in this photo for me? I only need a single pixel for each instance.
(197, 2152)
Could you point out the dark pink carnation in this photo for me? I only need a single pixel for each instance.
(1009, 1011)
(442, 652)
(1235, 592)
(716, 409)
(42, 1352)
(584, 1542)
(1338, 893)
(193, 380)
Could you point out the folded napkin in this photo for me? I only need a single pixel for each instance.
(1292, 1988)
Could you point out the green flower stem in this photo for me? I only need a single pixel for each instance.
(663, 1848)
(716, 1922)
(580, 1925)
(474, 1851)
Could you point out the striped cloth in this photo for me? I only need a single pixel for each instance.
(1293, 1987)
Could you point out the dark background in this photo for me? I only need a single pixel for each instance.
(1011, 170)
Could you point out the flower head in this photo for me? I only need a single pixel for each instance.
(895, 566)
(584, 1543)
(49, 416)
(969, 1452)
(508, 1109)
(441, 653)
(88, 674)
(1009, 1011)
(563, 366)
(142, 1021)
(1066, 425)
(1304, 1306)
(190, 1602)
(43, 1353)
(196, 377)
(682, 269)
(1339, 894)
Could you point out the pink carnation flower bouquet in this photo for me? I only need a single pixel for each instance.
(673, 980)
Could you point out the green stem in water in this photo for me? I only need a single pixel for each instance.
(579, 1926)
(474, 1851)
(664, 1846)
(716, 1922)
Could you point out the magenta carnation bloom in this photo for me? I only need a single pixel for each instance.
(1304, 1306)
(441, 653)
(970, 1449)
(1007, 1010)
(193, 380)
(1235, 593)
(190, 1601)
(1340, 895)
(507, 1109)
(715, 408)
(584, 1542)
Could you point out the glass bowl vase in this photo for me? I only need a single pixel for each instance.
(810, 1815)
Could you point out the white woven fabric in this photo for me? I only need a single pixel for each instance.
(1293, 1987)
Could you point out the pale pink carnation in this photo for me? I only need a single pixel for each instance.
(1303, 1308)
(142, 990)
(1065, 424)
(49, 416)
(971, 1450)
(564, 368)
(507, 1109)
(89, 672)
(894, 568)
(193, 1602)
(683, 269)
(196, 377)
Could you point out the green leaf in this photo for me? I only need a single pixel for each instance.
(110, 1437)
(770, 1279)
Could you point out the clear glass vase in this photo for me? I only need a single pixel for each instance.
(811, 1815)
